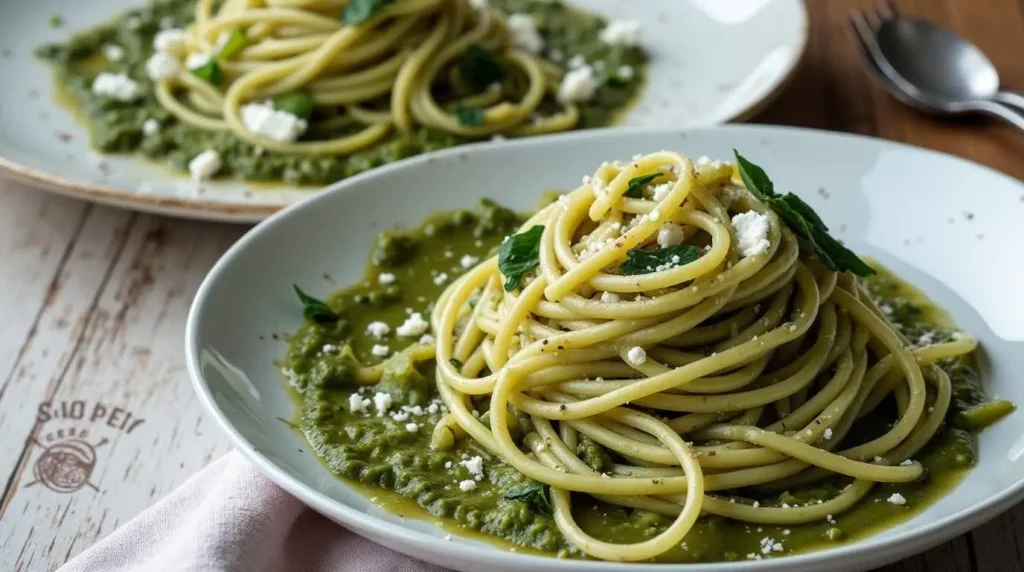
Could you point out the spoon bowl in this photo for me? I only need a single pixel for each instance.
(936, 62)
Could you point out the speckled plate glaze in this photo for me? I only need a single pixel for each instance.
(917, 212)
(712, 62)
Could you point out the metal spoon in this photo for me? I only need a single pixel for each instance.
(938, 71)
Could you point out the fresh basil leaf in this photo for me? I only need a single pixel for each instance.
(635, 188)
(519, 255)
(647, 261)
(804, 210)
(801, 219)
(455, 363)
(481, 67)
(534, 494)
(234, 43)
(755, 179)
(359, 11)
(837, 257)
(209, 72)
(299, 103)
(469, 115)
(314, 309)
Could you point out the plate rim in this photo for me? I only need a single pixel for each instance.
(857, 555)
(253, 212)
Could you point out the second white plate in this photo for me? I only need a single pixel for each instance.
(711, 62)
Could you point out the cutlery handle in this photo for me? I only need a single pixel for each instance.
(1013, 115)
(1011, 98)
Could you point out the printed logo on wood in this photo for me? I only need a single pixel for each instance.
(68, 456)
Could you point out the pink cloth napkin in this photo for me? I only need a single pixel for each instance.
(229, 517)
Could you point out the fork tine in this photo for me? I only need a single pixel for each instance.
(864, 37)
(861, 28)
(888, 10)
(871, 19)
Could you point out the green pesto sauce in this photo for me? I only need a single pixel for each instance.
(400, 471)
(116, 127)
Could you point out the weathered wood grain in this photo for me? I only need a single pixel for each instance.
(95, 299)
(107, 331)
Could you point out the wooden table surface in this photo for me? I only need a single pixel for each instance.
(93, 303)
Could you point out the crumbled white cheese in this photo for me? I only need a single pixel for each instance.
(263, 119)
(197, 60)
(173, 40)
(378, 329)
(380, 350)
(621, 33)
(670, 234)
(413, 326)
(475, 465)
(610, 297)
(579, 84)
(478, 4)
(756, 504)
(769, 545)
(386, 278)
(467, 485)
(441, 278)
(671, 263)
(412, 427)
(357, 403)
(661, 191)
(150, 127)
(113, 52)
(204, 165)
(751, 232)
(433, 408)
(703, 161)
(897, 499)
(906, 463)
(427, 339)
(328, 349)
(654, 215)
(576, 61)
(625, 72)
(828, 434)
(400, 416)
(636, 356)
(382, 402)
(524, 34)
(468, 261)
(116, 86)
(162, 65)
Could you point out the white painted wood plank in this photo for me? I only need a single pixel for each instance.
(137, 405)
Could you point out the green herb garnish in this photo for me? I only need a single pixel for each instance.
(210, 72)
(299, 103)
(519, 254)
(533, 494)
(469, 115)
(635, 190)
(233, 44)
(359, 11)
(56, 20)
(647, 261)
(481, 67)
(802, 220)
(455, 363)
(314, 309)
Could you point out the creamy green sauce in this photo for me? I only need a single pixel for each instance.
(400, 471)
(116, 127)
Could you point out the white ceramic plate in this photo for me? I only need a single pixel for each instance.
(712, 62)
(948, 226)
